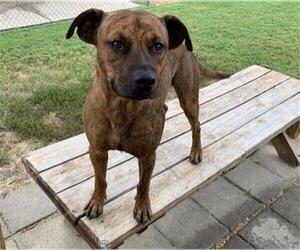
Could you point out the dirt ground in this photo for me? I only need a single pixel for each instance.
(12, 171)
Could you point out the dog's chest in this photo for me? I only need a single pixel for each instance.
(121, 124)
(135, 134)
(115, 136)
(125, 132)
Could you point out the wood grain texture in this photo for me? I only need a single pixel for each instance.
(177, 183)
(125, 176)
(284, 149)
(63, 151)
(80, 169)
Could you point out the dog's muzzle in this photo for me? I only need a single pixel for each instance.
(142, 85)
(144, 82)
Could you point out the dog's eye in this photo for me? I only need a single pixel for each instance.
(118, 46)
(158, 47)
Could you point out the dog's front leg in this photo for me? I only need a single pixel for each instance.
(95, 206)
(142, 209)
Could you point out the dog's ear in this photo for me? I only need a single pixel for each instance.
(177, 32)
(87, 24)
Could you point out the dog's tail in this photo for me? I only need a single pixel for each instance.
(212, 73)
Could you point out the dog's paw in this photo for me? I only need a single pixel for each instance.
(142, 210)
(195, 156)
(94, 207)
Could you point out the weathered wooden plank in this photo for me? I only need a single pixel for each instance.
(57, 153)
(125, 176)
(222, 87)
(174, 127)
(284, 149)
(63, 151)
(172, 186)
(235, 81)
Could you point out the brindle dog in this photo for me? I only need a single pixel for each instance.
(139, 57)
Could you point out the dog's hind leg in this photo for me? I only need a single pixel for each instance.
(94, 208)
(191, 110)
(142, 209)
(187, 90)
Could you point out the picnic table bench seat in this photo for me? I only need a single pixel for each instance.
(238, 115)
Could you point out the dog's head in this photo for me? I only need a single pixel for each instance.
(131, 47)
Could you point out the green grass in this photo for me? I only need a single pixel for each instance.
(44, 78)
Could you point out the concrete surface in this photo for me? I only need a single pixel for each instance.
(53, 232)
(11, 244)
(149, 239)
(256, 180)
(237, 243)
(21, 14)
(14, 15)
(269, 159)
(270, 231)
(5, 231)
(288, 206)
(189, 226)
(236, 211)
(226, 202)
(29, 204)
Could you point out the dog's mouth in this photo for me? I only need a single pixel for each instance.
(137, 94)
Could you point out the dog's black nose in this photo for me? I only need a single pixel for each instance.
(144, 77)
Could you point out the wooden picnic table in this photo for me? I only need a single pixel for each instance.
(238, 115)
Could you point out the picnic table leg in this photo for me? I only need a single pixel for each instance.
(284, 149)
(294, 130)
